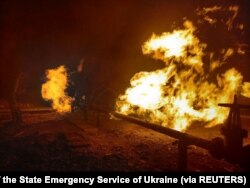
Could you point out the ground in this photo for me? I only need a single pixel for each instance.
(51, 142)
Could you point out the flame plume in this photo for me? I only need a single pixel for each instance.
(210, 14)
(246, 89)
(181, 94)
(54, 89)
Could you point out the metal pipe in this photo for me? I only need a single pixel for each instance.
(189, 139)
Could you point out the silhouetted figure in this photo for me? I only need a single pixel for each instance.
(77, 89)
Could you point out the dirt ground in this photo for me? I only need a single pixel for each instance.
(49, 142)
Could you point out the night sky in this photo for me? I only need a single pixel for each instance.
(108, 34)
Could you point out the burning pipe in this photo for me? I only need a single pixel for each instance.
(230, 148)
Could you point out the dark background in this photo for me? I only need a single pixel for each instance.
(108, 34)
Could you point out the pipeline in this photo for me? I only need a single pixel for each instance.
(215, 146)
(190, 140)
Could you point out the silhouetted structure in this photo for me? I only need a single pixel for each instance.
(80, 86)
(233, 132)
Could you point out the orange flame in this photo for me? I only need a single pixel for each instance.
(208, 14)
(54, 89)
(180, 94)
(246, 89)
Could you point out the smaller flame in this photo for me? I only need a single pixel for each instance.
(54, 89)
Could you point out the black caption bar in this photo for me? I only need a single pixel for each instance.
(102, 178)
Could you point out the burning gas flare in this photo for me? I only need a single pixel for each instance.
(54, 89)
(181, 93)
(211, 14)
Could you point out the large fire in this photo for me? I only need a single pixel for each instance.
(54, 89)
(181, 93)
